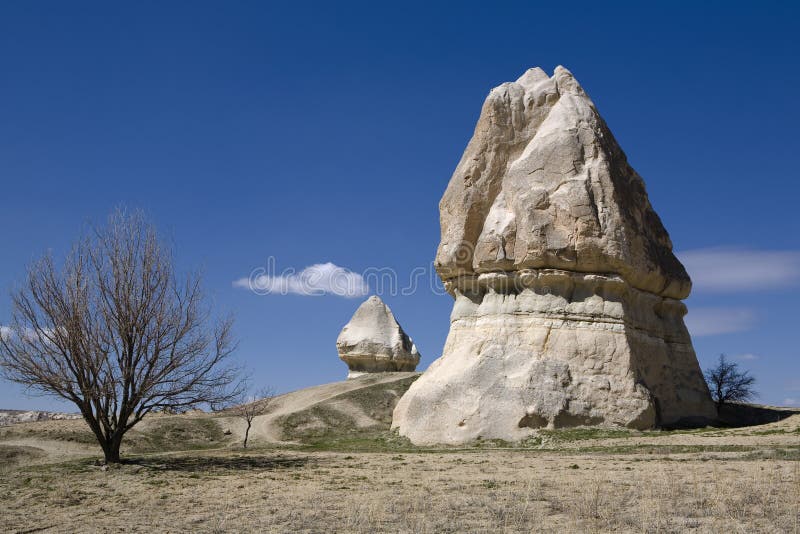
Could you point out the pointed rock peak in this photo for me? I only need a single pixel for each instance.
(374, 300)
(566, 82)
(544, 184)
(371, 310)
(533, 76)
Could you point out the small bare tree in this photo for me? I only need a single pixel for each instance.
(250, 407)
(728, 384)
(117, 332)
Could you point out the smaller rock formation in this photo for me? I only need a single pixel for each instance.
(374, 342)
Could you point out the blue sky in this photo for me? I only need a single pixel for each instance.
(316, 133)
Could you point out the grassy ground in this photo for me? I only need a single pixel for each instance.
(351, 415)
(478, 491)
(13, 454)
(160, 433)
(183, 473)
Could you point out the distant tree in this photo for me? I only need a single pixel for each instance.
(117, 332)
(728, 384)
(250, 407)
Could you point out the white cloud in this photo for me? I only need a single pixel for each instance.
(724, 269)
(713, 321)
(27, 333)
(747, 357)
(790, 402)
(314, 280)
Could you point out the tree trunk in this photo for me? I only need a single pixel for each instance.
(109, 444)
(112, 455)
(246, 433)
(111, 450)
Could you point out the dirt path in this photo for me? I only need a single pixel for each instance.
(265, 427)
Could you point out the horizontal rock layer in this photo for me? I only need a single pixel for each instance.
(550, 348)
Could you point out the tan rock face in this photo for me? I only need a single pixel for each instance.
(567, 292)
(374, 342)
(544, 184)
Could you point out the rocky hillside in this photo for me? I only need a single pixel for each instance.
(11, 417)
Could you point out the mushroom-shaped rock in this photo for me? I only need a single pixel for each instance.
(374, 342)
(567, 293)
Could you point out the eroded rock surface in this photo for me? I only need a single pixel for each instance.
(12, 417)
(374, 342)
(568, 296)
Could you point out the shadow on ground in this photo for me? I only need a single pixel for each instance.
(191, 464)
(737, 415)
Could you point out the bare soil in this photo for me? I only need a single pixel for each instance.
(183, 474)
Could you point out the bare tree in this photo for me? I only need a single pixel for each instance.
(249, 407)
(728, 384)
(117, 332)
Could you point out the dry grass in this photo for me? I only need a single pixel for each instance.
(347, 415)
(11, 455)
(734, 480)
(497, 491)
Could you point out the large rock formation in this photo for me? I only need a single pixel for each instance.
(374, 342)
(568, 297)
